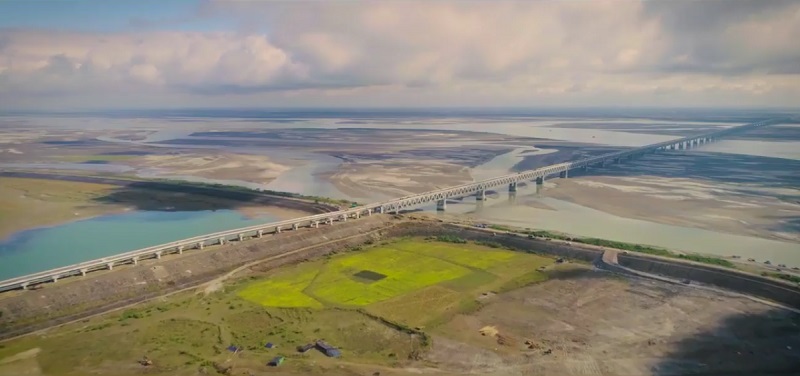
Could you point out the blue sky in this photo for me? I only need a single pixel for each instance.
(107, 16)
(360, 53)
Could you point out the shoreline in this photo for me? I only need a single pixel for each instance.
(289, 248)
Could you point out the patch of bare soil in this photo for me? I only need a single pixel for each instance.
(591, 323)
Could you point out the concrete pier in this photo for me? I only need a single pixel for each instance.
(294, 226)
(260, 234)
(55, 278)
(477, 188)
(83, 272)
(563, 174)
(135, 260)
(441, 205)
(241, 237)
(512, 187)
(158, 255)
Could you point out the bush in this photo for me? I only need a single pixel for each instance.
(450, 239)
(783, 276)
(708, 260)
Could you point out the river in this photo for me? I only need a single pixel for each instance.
(51, 247)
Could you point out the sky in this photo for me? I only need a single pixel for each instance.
(83, 54)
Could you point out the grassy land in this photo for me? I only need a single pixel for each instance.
(658, 251)
(372, 322)
(435, 275)
(784, 276)
(30, 203)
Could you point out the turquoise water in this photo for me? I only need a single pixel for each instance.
(45, 248)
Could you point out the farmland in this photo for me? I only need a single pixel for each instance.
(408, 267)
(363, 302)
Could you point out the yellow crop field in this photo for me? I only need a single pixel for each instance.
(404, 271)
(400, 269)
(284, 289)
(462, 254)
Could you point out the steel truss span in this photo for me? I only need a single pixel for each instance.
(439, 196)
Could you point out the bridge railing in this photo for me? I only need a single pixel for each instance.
(395, 204)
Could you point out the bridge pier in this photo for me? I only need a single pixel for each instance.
(277, 229)
(180, 249)
(441, 205)
(222, 241)
(563, 174)
(381, 210)
(512, 187)
(135, 260)
(358, 215)
(260, 234)
(294, 226)
(481, 195)
(315, 224)
(540, 180)
(55, 278)
(25, 285)
(83, 272)
(110, 266)
(344, 218)
(241, 237)
(158, 255)
(201, 245)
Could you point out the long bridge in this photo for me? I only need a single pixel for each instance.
(439, 197)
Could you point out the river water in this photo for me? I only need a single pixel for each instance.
(566, 217)
(41, 249)
(51, 247)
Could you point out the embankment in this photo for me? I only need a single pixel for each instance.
(62, 302)
(27, 311)
(729, 279)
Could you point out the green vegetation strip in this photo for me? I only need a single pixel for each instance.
(236, 188)
(620, 245)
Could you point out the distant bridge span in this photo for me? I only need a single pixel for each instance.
(439, 196)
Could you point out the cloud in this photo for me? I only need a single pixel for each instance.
(440, 53)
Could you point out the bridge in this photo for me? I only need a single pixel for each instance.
(439, 197)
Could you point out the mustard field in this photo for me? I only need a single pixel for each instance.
(389, 272)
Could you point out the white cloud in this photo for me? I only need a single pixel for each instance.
(441, 53)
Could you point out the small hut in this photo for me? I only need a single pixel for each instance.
(328, 350)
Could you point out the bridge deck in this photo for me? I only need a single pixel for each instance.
(394, 205)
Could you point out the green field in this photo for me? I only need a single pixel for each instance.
(376, 305)
(407, 266)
